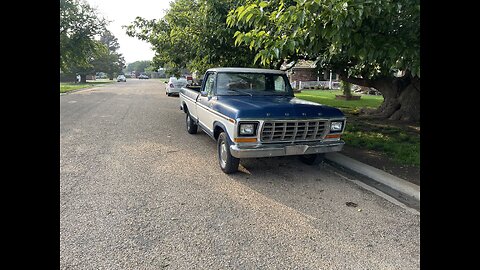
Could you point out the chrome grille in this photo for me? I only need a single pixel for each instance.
(292, 131)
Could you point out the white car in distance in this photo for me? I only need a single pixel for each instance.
(174, 85)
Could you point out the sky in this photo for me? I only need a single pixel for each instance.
(122, 12)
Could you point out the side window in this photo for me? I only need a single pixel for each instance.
(279, 84)
(209, 83)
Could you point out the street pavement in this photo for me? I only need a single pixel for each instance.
(138, 192)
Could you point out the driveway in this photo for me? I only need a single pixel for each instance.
(138, 192)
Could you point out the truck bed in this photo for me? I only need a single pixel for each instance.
(191, 91)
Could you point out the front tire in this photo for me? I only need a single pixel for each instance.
(228, 163)
(313, 159)
(191, 126)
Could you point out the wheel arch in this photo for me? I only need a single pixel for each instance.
(218, 127)
(184, 107)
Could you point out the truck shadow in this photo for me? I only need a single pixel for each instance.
(311, 191)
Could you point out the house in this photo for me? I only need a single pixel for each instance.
(306, 72)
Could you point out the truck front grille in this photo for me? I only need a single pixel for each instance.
(292, 131)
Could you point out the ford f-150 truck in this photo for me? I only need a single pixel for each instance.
(253, 113)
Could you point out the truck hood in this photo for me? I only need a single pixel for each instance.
(264, 107)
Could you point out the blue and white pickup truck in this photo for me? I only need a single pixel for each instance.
(253, 113)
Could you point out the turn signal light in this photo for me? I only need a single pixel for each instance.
(243, 140)
(333, 136)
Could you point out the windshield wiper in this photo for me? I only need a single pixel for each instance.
(240, 91)
(274, 94)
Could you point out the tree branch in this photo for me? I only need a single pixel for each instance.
(358, 81)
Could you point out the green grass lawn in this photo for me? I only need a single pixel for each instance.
(398, 141)
(65, 87)
(327, 97)
(401, 144)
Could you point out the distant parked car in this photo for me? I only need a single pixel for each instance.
(174, 85)
(189, 79)
(121, 78)
(143, 76)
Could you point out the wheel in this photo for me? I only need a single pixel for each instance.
(169, 94)
(228, 163)
(191, 126)
(313, 159)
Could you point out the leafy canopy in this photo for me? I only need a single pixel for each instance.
(138, 66)
(367, 38)
(86, 46)
(79, 25)
(193, 35)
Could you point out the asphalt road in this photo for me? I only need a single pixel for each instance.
(138, 192)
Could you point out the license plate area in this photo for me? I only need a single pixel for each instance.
(295, 149)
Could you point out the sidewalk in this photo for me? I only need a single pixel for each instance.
(400, 185)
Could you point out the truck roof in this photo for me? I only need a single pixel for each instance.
(246, 70)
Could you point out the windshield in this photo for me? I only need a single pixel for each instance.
(253, 84)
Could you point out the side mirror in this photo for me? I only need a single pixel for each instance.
(203, 93)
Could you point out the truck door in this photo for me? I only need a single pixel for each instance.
(205, 102)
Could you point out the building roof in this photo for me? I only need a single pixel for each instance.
(305, 64)
(299, 64)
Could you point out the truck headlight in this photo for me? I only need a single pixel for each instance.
(247, 129)
(336, 126)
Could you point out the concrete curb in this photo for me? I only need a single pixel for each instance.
(375, 174)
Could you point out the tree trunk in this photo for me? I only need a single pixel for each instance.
(401, 96)
(347, 89)
(83, 78)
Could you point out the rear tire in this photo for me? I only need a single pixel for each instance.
(228, 163)
(313, 159)
(191, 126)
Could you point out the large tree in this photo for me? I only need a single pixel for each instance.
(79, 25)
(193, 35)
(109, 61)
(139, 67)
(372, 43)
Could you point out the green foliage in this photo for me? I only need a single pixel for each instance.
(86, 46)
(193, 35)
(139, 66)
(107, 59)
(401, 145)
(369, 38)
(79, 24)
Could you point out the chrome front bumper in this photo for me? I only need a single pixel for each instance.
(275, 150)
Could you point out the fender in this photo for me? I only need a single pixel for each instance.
(216, 131)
